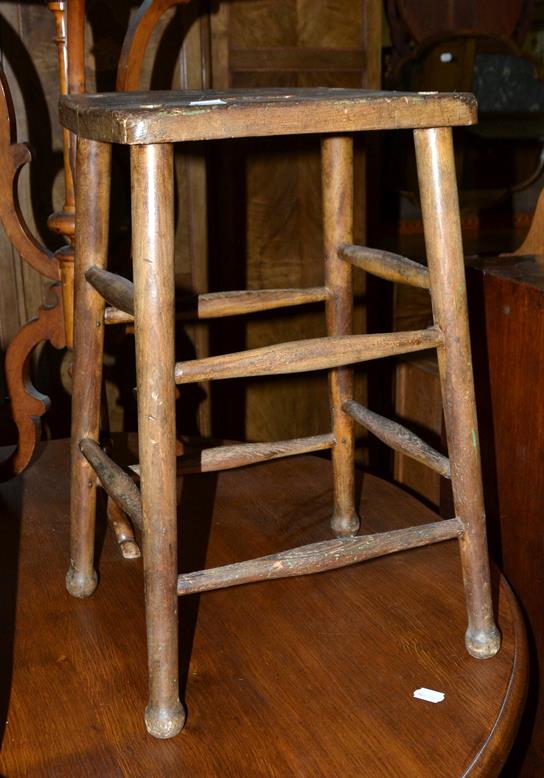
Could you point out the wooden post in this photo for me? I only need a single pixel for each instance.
(153, 257)
(63, 221)
(440, 207)
(75, 23)
(337, 184)
(92, 224)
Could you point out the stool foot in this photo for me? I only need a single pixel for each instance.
(483, 644)
(130, 549)
(345, 526)
(164, 723)
(80, 585)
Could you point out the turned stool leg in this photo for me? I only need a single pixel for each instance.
(337, 184)
(153, 258)
(440, 207)
(92, 224)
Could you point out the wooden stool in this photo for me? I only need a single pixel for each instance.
(150, 123)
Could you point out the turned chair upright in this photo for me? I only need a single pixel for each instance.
(150, 123)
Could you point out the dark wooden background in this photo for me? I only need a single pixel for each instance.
(248, 212)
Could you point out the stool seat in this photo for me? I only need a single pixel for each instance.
(169, 117)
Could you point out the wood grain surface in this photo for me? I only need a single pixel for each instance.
(300, 356)
(265, 197)
(399, 438)
(170, 117)
(303, 677)
(445, 260)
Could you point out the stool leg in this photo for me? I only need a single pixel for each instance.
(337, 184)
(153, 258)
(440, 207)
(92, 224)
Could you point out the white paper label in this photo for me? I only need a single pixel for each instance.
(429, 695)
(208, 102)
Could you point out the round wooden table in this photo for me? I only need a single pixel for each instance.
(311, 676)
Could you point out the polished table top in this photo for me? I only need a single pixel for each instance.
(309, 676)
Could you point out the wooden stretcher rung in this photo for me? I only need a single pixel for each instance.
(119, 293)
(398, 437)
(115, 482)
(114, 315)
(318, 557)
(301, 356)
(229, 457)
(385, 264)
(115, 289)
(213, 305)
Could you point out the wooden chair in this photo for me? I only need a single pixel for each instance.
(150, 123)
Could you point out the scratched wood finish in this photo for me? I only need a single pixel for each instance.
(118, 484)
(152, 187)
(228, 457)
(318, 557)
(399, 438)
(136, 118)
(256, 660)
(119, 292)
(217, 304)
(306, 355)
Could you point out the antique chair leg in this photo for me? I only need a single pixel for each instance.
(440, 207)
(93, 205)
(153, 258)
(337, 184)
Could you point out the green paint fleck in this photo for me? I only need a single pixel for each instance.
(474, 439)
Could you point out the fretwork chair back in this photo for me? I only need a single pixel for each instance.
(150, 123)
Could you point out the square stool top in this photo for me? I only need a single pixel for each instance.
(168, 117)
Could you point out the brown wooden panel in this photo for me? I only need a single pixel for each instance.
(507, 306)
(270, 208)
(335, 23)
(269, 23)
